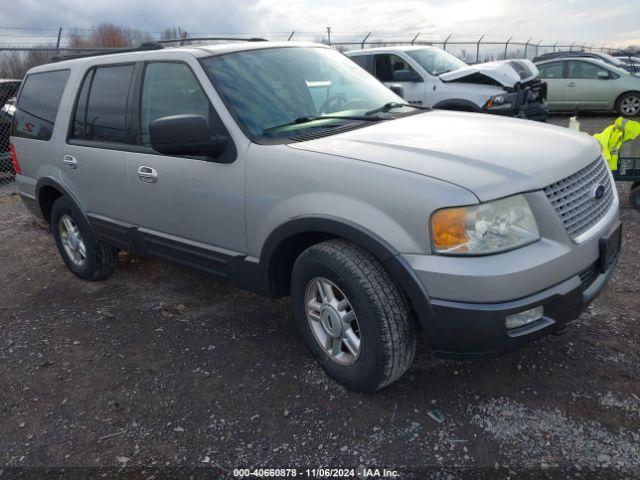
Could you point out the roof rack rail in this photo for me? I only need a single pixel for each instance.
(202, 39)
(144, 46)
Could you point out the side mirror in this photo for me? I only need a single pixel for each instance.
(406, 76)
(397, 89)
(185, 135)
(603, 75)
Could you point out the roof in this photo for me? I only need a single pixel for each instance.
(198, 51)
(398, 48)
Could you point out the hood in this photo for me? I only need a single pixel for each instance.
(506, 72)
(490, 155)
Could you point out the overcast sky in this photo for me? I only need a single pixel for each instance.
(591, 21)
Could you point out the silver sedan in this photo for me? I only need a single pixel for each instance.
(590, 84)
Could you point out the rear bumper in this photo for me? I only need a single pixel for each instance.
(472, 329)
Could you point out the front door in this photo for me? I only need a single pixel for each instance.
(184, 205)
(588, 86)
(385, 64)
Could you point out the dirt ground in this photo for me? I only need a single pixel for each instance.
(159, 372)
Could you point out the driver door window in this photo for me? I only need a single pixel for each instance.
(170, 89)
(386, 64)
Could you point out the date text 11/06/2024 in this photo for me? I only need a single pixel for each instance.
(361, 472)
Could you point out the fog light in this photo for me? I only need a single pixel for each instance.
(524, 318)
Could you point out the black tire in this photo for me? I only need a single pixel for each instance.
(385, 319)
(100, 259)
(634, 197)
(633, 96)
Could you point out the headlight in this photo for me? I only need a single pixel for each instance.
(484, 229)
(502, 101)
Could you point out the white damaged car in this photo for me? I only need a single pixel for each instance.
(434, 78)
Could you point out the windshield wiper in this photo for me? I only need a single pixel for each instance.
(391, 105)
(312, 118)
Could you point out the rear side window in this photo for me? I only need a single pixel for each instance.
(101, 109)
(38, 104)
(551, 70)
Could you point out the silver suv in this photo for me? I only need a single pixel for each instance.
(290, 171)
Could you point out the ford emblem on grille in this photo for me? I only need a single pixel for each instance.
(598, 192)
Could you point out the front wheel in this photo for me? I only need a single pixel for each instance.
(354, 317)
(628, 105)
(85, 255)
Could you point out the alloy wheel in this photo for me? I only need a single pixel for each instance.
(630, 105)
(72, 240)
(333, 321)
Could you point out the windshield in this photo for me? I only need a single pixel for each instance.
(271, 87)
(436, 61)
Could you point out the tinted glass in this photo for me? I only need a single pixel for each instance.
(265, 88)
(170, 89)
(584, 70)
(38, 104)
(364, 61)
(387, 64)
(104, 118)
(551, 70)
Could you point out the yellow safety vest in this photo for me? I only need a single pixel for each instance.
(612, 138)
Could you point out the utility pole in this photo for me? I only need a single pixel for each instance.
(329, 35)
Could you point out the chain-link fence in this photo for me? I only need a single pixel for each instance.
(8, 91)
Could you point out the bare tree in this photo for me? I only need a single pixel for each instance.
(173, 33)
(108, 35)
(16, 64)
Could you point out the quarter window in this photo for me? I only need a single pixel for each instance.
(101, 110)
(38, 104)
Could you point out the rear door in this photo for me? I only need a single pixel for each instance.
(553, 73)
(95, 156)
(585, 89)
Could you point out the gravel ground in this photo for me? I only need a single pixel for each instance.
(159, 372)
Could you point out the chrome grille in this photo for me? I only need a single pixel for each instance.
(574, 199)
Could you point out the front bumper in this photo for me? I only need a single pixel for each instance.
(469, 329)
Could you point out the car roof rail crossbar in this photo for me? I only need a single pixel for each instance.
(144, 46)
(205, 39)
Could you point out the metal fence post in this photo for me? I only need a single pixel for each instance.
(58, 42)
(554, 47)
(291, 36)
(444, 45)
(526, 47)
(506, 45)
(478, 49)
(415, 38)
(364, 40)
(571, 47)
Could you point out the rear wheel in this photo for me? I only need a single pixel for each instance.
(85, 255)
(353, 316)
(628, 105)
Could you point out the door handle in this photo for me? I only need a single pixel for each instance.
(70, 161)
(147, 174)
(571, 84)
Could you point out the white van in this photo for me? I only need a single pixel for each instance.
(434, 78)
